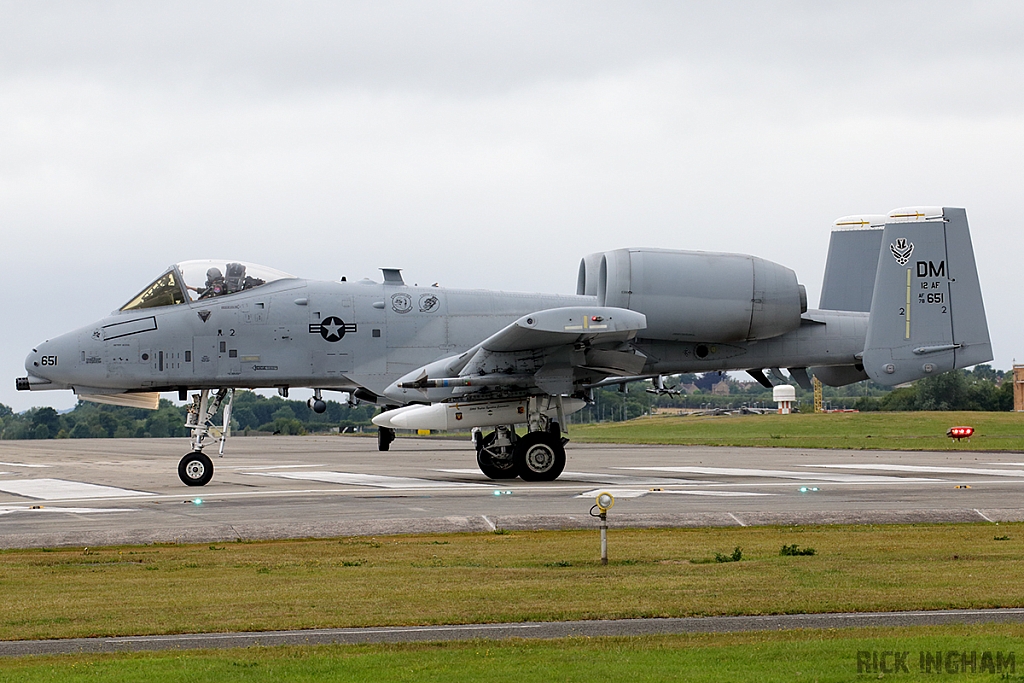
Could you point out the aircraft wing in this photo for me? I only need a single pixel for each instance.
(566, 326)
(544, 349)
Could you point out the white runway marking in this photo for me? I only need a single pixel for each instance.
(637, 493)
(59, 489)
(376, 480)
(602, 478)
(723, 494)
(77, 511)
(618, 493)
(624, 479)
(784, 474)
(270, 467)
(21, 464)
(929, 469)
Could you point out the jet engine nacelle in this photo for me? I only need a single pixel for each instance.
(697, 296)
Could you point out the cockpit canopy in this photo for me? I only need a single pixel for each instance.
(190, 281)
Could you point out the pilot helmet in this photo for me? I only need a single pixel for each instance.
(213, 274)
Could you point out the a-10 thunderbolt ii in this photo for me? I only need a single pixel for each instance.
(900, 301)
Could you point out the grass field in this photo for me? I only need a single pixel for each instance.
(880, 431)
(788, 656)
(504, 577)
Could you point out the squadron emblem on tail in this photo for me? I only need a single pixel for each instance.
(902, 250)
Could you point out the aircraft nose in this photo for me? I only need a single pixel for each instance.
(32, 362)
(38, 375)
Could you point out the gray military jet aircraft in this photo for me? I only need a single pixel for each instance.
(901, 300)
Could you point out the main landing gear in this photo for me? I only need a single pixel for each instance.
(535, 456)
(196, 468)
(494, 453)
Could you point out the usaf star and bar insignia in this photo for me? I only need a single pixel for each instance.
(332, 328)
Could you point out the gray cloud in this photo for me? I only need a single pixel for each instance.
(485, 144)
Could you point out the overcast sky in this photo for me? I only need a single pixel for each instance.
(486, 144)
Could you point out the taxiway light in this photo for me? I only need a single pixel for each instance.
(605, 501)
(808, 489)
(197, 501)
(963, 432)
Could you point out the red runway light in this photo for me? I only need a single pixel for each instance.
(960, 432)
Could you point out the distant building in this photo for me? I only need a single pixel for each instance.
(1018, 388)
(720, 389)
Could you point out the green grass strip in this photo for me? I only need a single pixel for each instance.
(875, 431)
(991, 652)
(506, 577)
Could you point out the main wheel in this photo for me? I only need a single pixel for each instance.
(195, 469)
(495, 462)
(385, 435)
(539, 456)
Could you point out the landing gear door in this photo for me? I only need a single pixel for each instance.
(332, 327)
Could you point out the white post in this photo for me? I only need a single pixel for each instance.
(604, 538)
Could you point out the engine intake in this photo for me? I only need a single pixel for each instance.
(697, 296)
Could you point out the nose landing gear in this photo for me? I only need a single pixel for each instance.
(196, 468)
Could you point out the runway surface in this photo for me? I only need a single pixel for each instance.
(531, 630)
(91, 492)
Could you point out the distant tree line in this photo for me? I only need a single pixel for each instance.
(251, 412)
(979, 389)
(982, 388)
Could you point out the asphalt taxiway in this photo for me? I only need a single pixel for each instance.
(532, 630)
(90, 492)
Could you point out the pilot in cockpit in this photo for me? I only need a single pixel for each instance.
(215, 285)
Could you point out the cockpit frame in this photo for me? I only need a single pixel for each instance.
(184, 282)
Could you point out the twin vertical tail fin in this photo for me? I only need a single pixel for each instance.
(927, 314)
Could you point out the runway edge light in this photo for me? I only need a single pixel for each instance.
(604, 503)
(961, 432)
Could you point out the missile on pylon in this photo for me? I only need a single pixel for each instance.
(469, 381)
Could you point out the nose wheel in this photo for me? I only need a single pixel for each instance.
(195, 469)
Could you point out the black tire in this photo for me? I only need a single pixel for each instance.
(539, 456)
(195, 469)
(494, 465)
(385, 435)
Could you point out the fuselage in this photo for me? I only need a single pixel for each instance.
(292, 332)
(348, 335)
